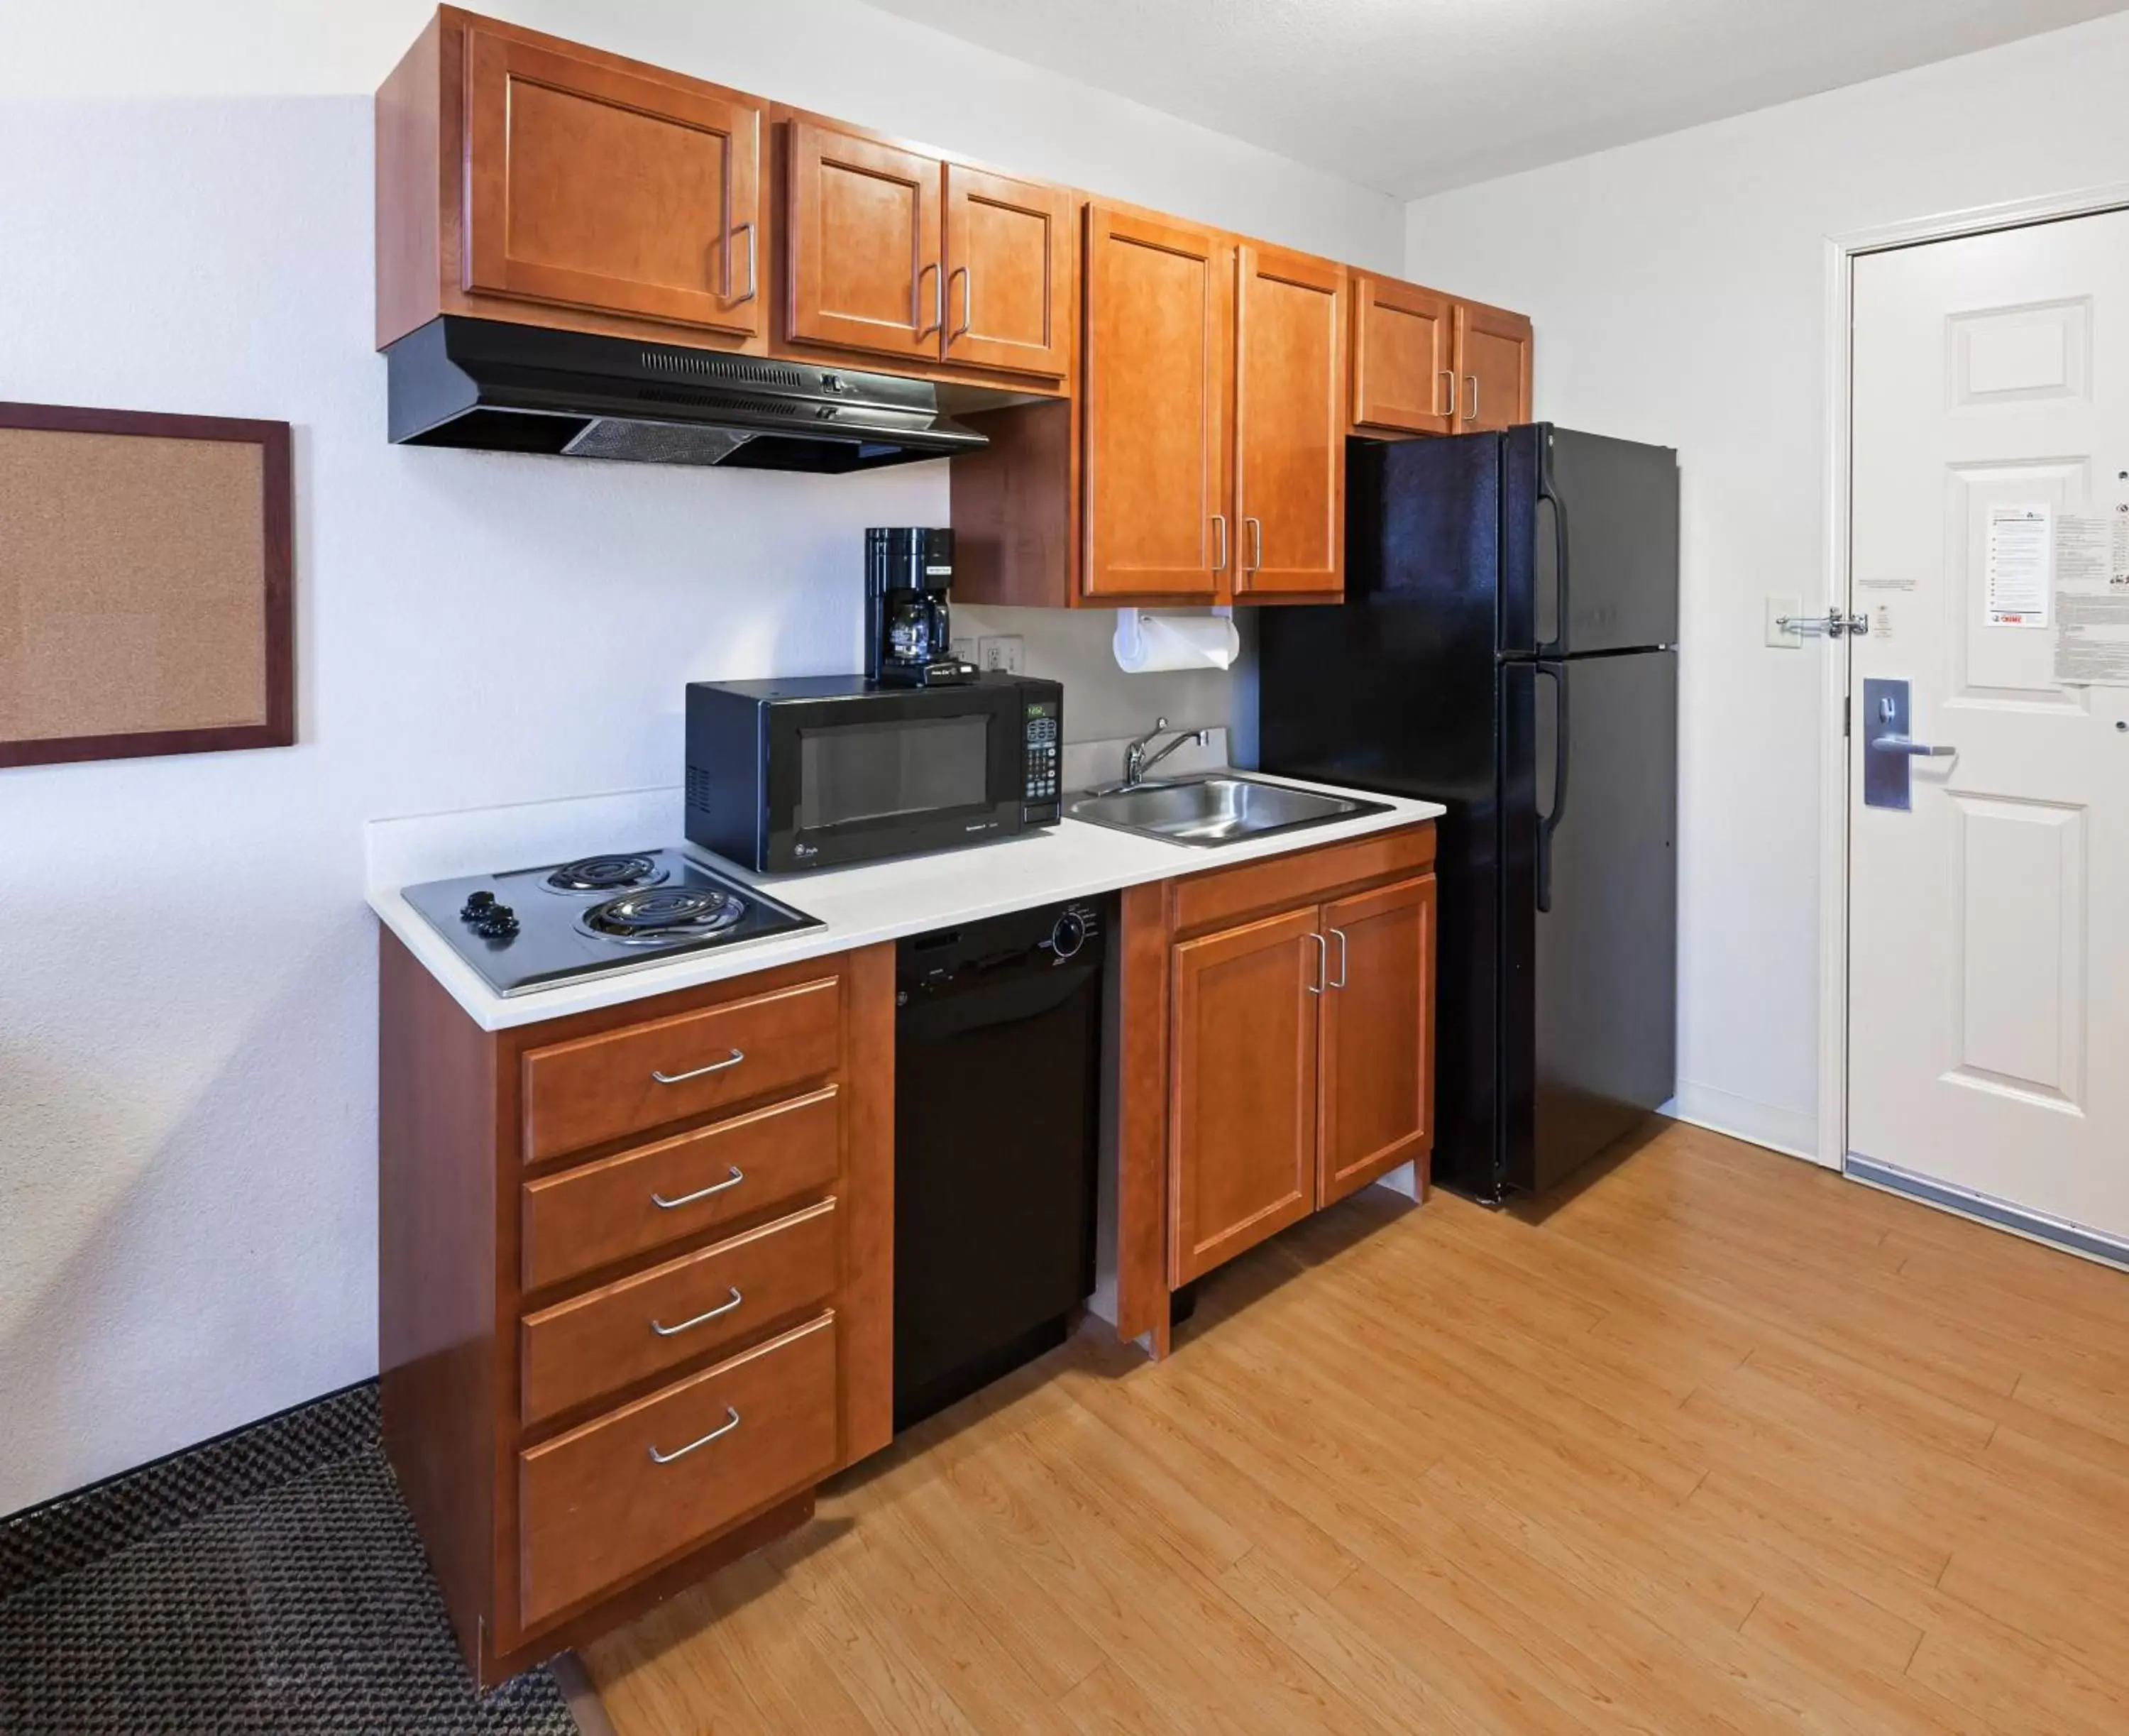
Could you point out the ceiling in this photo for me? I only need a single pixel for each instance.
(1410, 97)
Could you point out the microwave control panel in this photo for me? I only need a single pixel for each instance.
(1043, 727)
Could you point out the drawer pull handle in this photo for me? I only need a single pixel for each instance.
(722, 1307)
(732, 1059)
(731, 1423)
(664, 1205)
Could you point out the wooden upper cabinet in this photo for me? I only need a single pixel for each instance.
(1154, 397)
(1242, 1117)
(1404, 358)
(1010, 261)
(590, 185)
(1492, 368)
(1377, 1038)
(863, 268)
(1289, 423)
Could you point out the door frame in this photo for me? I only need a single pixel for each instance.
(1841, 253)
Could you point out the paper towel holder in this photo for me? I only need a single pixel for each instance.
(1136, 628)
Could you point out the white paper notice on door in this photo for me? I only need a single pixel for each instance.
(2091, 600)
(2021, 564)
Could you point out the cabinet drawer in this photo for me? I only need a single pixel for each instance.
(592, 1216)
(1227, 895)
(598, 1505)
(621, 1082)
(716, 1296)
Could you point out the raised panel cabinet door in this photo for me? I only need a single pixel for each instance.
(863, 234)
(1377, 1038)
(593, 186)
(1008, 272)
(1404, 359)
(1242, 1088)
(1290, 424)
(1492, 368)
(1160, 324)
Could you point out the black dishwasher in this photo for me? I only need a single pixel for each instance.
(998, 1046)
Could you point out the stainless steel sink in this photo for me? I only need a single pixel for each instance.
(1222, 809)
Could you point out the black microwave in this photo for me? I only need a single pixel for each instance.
(819, 770)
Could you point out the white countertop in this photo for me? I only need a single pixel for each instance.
(863, 905)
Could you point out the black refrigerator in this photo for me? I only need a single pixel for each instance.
(1507, 646)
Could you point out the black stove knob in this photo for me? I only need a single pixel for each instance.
(477, 905)
(1069, 935)
(495, 922)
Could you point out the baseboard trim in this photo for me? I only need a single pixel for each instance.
(580, 1694)
(2072, 1238)
(1793, 1132)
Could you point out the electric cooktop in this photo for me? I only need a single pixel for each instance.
(533, 928)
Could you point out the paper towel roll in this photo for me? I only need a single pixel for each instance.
(1148, 641)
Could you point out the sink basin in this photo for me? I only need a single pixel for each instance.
(1214, 810)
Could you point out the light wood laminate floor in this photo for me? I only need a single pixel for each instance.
(1721, 1442)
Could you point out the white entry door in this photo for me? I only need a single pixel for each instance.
(1989, 934)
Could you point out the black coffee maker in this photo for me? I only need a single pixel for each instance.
(909, 632)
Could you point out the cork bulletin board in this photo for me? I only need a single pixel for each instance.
(146, 585)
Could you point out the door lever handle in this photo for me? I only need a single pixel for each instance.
(1917, 750)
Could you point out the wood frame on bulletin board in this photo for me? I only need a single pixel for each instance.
(275, 725)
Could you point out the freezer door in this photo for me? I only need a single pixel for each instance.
(1589, 544)
(1590, 931)
(1394, 689)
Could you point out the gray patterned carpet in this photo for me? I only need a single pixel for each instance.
(268, 1582)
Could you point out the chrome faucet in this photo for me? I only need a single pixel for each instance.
(1137, 764)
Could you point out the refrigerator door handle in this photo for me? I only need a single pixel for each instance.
(1555, 644)
(1557, 672)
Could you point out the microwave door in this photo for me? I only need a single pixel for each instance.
(863, 779)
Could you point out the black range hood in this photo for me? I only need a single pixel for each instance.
(498, 387)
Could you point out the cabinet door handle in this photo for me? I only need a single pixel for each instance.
(1256, 543)
(664, 1205)
(1449, 375)
(732, 1059)
(722, 1307)
(938, 299)
(753, 281)
(1220, 520)
(731, 1423)
(1472, 381)
(1322, 960)
(1338, 980)
(968, 278)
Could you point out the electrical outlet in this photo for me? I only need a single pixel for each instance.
(1006, 651)
(1780, 638)
(964, 650)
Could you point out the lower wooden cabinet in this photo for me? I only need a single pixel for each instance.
(624, 1326)
(1376, 1053)
(606, 1501)
(1294, 1001)
(1243, 1084)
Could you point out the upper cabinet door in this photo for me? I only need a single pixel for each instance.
(1289, 425)
(1009, 259)
(1404, 359)
(594, 187)
(1159, 324)
(864, 271)
(1377, 1035)
(1242, 1090)
(1492, 368)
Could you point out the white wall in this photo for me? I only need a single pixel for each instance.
(186, 995)
(1680, 288)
